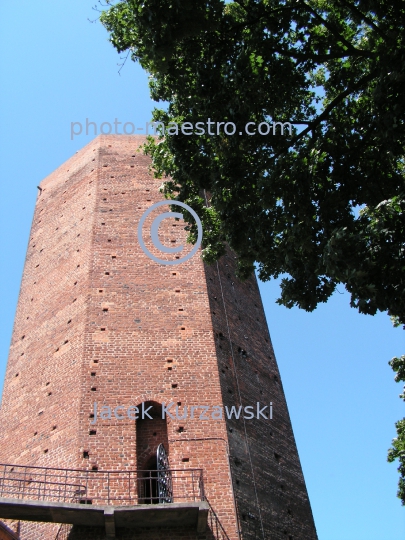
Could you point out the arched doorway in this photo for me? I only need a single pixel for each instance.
(152, 445)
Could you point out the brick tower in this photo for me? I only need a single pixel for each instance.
(99, 322)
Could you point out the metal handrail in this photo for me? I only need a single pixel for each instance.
(103, 487)
(215, 525)
(97, 487)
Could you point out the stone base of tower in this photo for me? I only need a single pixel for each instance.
(97, 533)
(52, 531)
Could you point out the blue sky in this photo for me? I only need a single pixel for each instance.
(58, 68)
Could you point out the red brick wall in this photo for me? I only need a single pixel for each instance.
(104, 323)
(269, 487)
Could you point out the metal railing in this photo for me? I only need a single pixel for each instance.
(215, 525)
(100, 487)
(106, 487)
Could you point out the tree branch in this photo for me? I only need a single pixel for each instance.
(333, 30)
(363, 17)
(323, 116)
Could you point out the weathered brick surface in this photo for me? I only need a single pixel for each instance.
(268, 482)
(98, 321)
(38, 531)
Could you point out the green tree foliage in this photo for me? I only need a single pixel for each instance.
(321, 206)
(398, 444)
(336, 68)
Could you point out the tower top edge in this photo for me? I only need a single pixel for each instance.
(98, 143)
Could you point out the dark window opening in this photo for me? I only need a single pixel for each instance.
(154, 477)
(149, 484)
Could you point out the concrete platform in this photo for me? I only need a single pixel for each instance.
(193, 514)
